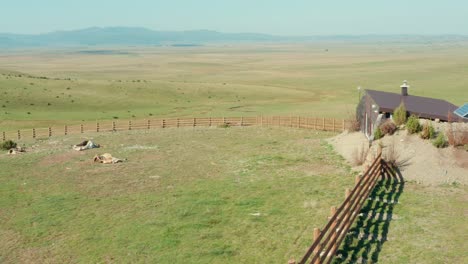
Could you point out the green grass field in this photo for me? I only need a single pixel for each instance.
(218, 80)
(180, 198)
(177, 199)
(211, 195)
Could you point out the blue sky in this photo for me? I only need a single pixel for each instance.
(279, 17)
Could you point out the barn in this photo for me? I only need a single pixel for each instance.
(377, 106)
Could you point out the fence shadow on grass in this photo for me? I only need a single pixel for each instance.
(365, 239)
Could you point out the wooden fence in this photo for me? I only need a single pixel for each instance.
(324, 124)
(327, 241)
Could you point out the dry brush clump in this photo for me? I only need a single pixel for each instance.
(359, 155)
(392, 157)
(451, 117)
(456, 136)
(353, 123)
(428, 131)
(388, 128)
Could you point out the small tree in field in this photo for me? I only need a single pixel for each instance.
(399, 115)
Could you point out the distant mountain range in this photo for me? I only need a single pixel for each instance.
(144, 37)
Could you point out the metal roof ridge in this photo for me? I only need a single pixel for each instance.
(410, 95)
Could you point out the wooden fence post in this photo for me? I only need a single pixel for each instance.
(129, 124)
(347, 193)
(242, 121)
(65, 130)
(379, 152)
(357, 179)
(81, 128)
(348, 204)
(177, 122)
(224, 121)
(333, 228)
(194, 122)
(163, 123)
(50, 131)
(97, 126)
(210, 122)
(19, 135)
(34, 133)
(3, 136)
(318, 249)
(148, 124)
(113, 125)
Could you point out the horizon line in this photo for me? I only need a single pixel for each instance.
(241, 32)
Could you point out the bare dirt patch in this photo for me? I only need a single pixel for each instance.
(347, 143)
(424, 163)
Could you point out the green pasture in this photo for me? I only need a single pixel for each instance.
(182, 196)
(209, 195)
(46, 87)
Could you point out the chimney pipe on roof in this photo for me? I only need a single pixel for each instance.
(404, 88)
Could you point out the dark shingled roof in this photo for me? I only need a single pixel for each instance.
(421, 106)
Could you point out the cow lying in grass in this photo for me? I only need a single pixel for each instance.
(85, 145)
(106, 158)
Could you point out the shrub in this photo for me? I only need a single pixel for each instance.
(378, 133)
(440, 141)
(393, 157)
(353, 124)
(428, 131)
(412, 125)
(451, 117)
(224, 125)
(388, 128)
(456, 137)
(9, 144)
(399, 115)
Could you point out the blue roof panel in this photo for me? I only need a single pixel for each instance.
(462, 111)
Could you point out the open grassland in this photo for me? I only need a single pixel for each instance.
(234, 195)
(209, 195)
(129, 82)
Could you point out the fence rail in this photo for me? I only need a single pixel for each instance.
(315, 123)
(327, 241)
